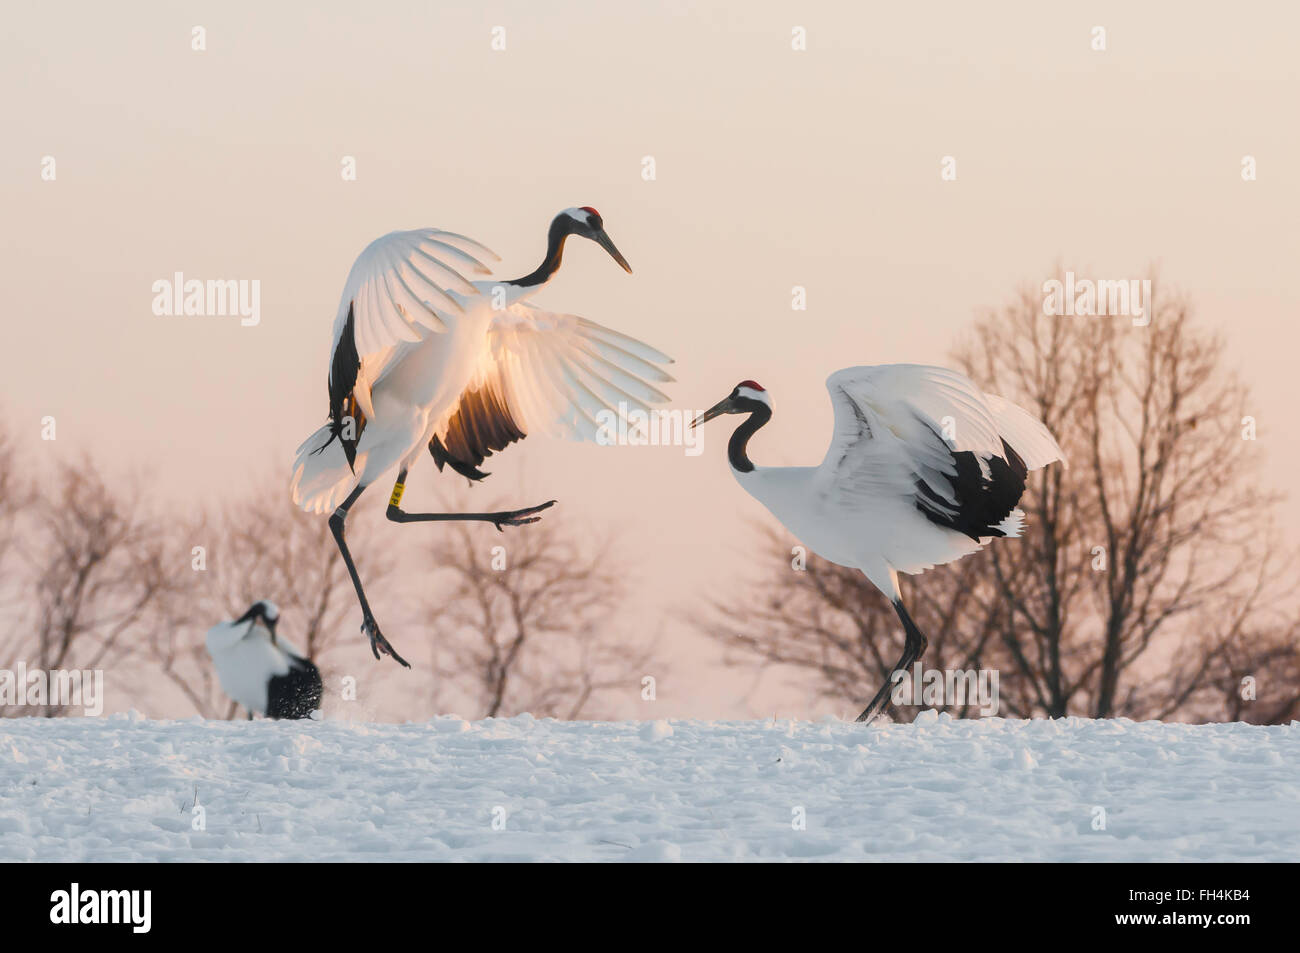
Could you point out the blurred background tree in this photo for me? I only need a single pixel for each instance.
(89, 569)
(522, 620)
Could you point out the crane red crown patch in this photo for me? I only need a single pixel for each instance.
(752, 385)
(588, 208)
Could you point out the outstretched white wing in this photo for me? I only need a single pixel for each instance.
(929, 435)
(403, 286)
(897, 424)
(544, 372)
(1025, 433)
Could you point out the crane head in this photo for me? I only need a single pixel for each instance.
(587, 223)
(264, 611)
(745, 398)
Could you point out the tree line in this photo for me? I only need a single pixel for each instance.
(98, 577)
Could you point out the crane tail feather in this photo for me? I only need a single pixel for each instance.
(323, 474)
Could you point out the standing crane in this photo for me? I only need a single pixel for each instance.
(425, 359)
(923, 469)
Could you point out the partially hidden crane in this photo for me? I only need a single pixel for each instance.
(259, 669)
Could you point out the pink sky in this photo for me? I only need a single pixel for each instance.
(775, 168)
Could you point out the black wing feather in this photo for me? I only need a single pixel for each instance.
(481, 426)
(981, 502)
(296, 693)
(344, 365)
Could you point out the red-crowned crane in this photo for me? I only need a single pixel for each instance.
(425, 360)
(923, 469)
(260, 670)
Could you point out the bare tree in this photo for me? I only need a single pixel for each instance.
(1157, 549)
(1257, 676)
(525, 619)
(16, 495)
(95, 571)
(1146, 570)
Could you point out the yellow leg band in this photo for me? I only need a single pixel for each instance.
(396, 498)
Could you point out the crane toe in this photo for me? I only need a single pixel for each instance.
(379, 644)
(521, 517)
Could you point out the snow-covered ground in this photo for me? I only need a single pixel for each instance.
(123, 788)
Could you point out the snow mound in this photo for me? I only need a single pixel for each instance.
(656, 730)
(123, 789)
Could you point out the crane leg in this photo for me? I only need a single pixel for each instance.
(338, 520)
(914, 647)
(368, 624)
(500, 520)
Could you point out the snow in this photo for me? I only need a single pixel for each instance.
(124, 788)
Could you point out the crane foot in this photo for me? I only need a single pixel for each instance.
(520, 517)
(379, 644)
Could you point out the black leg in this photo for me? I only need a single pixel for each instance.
(368, 625)
(914, 646)
(500, 520)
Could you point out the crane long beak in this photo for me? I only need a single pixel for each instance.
(604, 241)
(717, 410)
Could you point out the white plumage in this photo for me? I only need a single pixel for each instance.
(260, 670)
(923, 468)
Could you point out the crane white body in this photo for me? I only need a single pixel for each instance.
(878, 537)
(255, 666)
(425, 336)
(416, 392)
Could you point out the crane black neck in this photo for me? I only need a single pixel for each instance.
(561, 228)
(759, 414)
